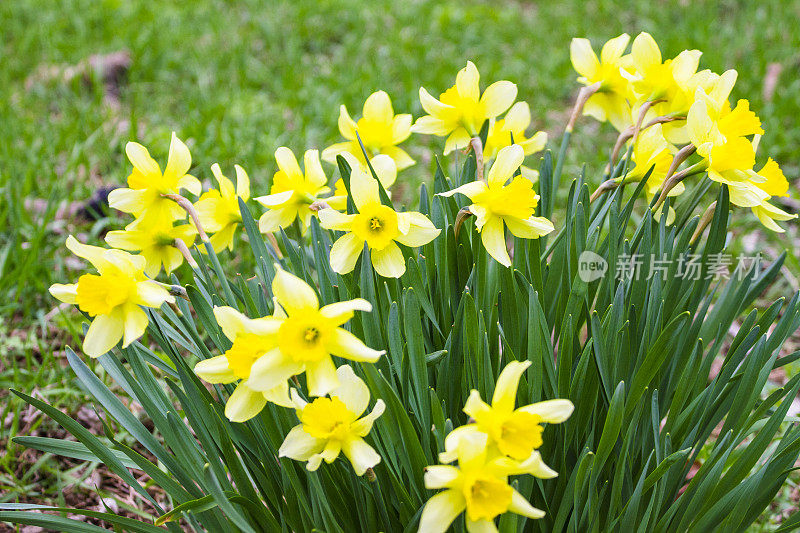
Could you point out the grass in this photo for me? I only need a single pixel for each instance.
(237, 80)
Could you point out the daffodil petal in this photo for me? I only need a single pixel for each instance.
(389, 261)
(469, 190)
(458, 139)
(480, 526)
(505, 390)
(508, 160)
(440, 476)
(215, 370)
(420, 231)
(288, 163)
(244, 404)
(104, 333)
(344, 344)
(299, 445)
(475, 406)
(498, 97)
(440, 511)
(135, 323)
(529, 228)
(294, 294)
(378, 107)
(363, 425)
(351, 390)
(140, 159)
(494, 240)
(271, 369)
(65, 293)
(361, 455)
(335, 220)
(550, 411)
(341, 312)
(363, 188)
(345, 252)
(321, 377)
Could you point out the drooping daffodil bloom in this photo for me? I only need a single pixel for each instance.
(334, 425)
(461, 110)
(253, 339)
(377, 225)
(775, 184)
(384, 168)
(219, 209)
(497, 205)
(611, 101)
(515, 433)
(293, 191)
(379, 129)
(307, 338)
(147, 184)
(155, 241)
(478, 486)
(113, 297)
(514, 124)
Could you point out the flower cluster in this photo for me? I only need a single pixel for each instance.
(499, 441)
(666, 109)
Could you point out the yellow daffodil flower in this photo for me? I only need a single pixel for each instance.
(155, 241)
(384, 168)
(219, 209)
(461, 110)
(653, 79)
(514, 123)
(377, 225)
(292, 191)
(478, 485)
(329, 426)
(610, 102)
(380, 131)
(774, 184)
(498, 205)
(146, 184)
(307, 338)
(113, 296)
(515, 433)
(253, 339)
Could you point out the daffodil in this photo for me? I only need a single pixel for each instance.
(377, 225)
(384, 168)
(293, 191)
(654, 79)
(478, 486)
(514, 124)
(610, 102)
(112, 297)
(334, 425)
(253, 339)
(775, 184)
(219, 209)
(307, 337)
(155, 241)
(461, 110)
(147, 185)
(515, 433)
(498, 205)
(379, 129)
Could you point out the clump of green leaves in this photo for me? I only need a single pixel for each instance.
(633, 355)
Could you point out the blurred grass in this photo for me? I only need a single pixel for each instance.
(237, 79)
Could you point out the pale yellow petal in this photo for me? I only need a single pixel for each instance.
(508, 161)
(457, 140)
(431, 105)
(440, 476)
(584, 60)
(363, 188)
(530, 228)
(335, 220)
(288, 163)
(389, 261)
(498, 97)
(179, 160)
(361, 455)
(104, 333)
(299, 445)
(321, 377)
(244, 404)
(550, 411)
(215, 370)
(378, 107)
(294, 294)
(314, 172)
(441, 510)
(505, 390)
(341, 312)
(494, 240)
(65, 293)
(421, 230)
(344, 344)
(141, 160)
(135, 323)
(345, 252)
(351, 390)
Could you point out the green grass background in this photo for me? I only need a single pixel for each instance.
(238, 79)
